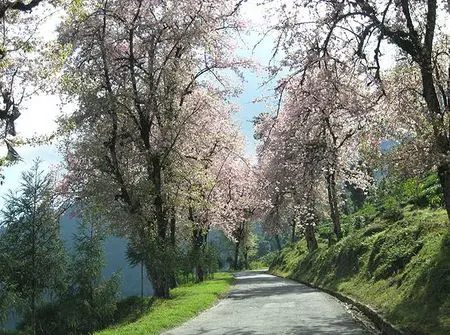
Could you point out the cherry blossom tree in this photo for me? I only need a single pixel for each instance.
(289, 175)
(238, 196)
(359, 32)
(315, 137)
(139, 72)
(21, 75)
(212, 142)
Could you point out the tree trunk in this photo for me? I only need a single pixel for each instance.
(34, 266)
(160, 277)
(442, 140)
(161, 286)
(142, 287)
(173, 223)
(158, 182)
(200, 273)
(294, 224)
(33, 310)
(246, 265)
(310, 237)
(444, 177)
(277, 240)
(333, 203)
(198, 242)
(236, 255)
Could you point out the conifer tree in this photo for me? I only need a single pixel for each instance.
(91, 299)
(31, 252)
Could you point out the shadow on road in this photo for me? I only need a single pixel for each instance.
(261, 304)
(260, 284)
(335, 327)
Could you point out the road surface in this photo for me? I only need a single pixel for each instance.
(264, 304)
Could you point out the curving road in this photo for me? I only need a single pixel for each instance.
(264, 304)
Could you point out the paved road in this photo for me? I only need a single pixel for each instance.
(265, 304)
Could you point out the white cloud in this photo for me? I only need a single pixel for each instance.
(49, 156)
(38, 117)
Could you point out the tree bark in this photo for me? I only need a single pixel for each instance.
(34, 265)
(236, 255)
(198, 242)
(277, 240)
(245, 254)
(294, 224)
(161, 286)
(444, 177)
(158, 182)
(33, 310)
(310, 237)
(173, 224)
(161, 277)
(333, 203)
(442, 140)
(142, 287)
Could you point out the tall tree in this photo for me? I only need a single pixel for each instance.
(140, 71)
(90, 302)
(356, 32)
(20, 73)
(32, 253)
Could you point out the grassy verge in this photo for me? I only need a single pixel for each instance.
(186, 302)
(401, 267)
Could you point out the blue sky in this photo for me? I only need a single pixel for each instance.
(39, 113)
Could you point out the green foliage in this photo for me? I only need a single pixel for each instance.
(390, 209)
(131, 309)
(269, 257)
(390, 253)
(420, 192)
(7, 300)
(88, 303)
(264, 261)
(160, 258)
(366, 214)
(32, 257)
(92, 300)
(256, 264)
(210, 259)
(186, 302)
(401, 267)
(207, 257)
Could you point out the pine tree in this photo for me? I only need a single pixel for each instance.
(31, 252)
(91, 298)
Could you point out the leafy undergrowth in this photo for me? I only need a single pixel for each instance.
(186, 302)
(400, 266)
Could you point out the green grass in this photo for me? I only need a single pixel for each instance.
(186, 302)
(401, 267)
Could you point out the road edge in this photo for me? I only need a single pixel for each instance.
(371, 313)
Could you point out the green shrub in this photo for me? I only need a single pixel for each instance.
(367, 214)
(257, 264)
(131, 308)
(374, 229)
(391, 209)
(268, 258)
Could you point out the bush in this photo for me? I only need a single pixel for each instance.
(391, 209)
(131, 308)
(391, 253)
(208, 258)
(268, 258)
(257, 264)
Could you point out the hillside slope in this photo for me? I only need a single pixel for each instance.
(400, 265)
